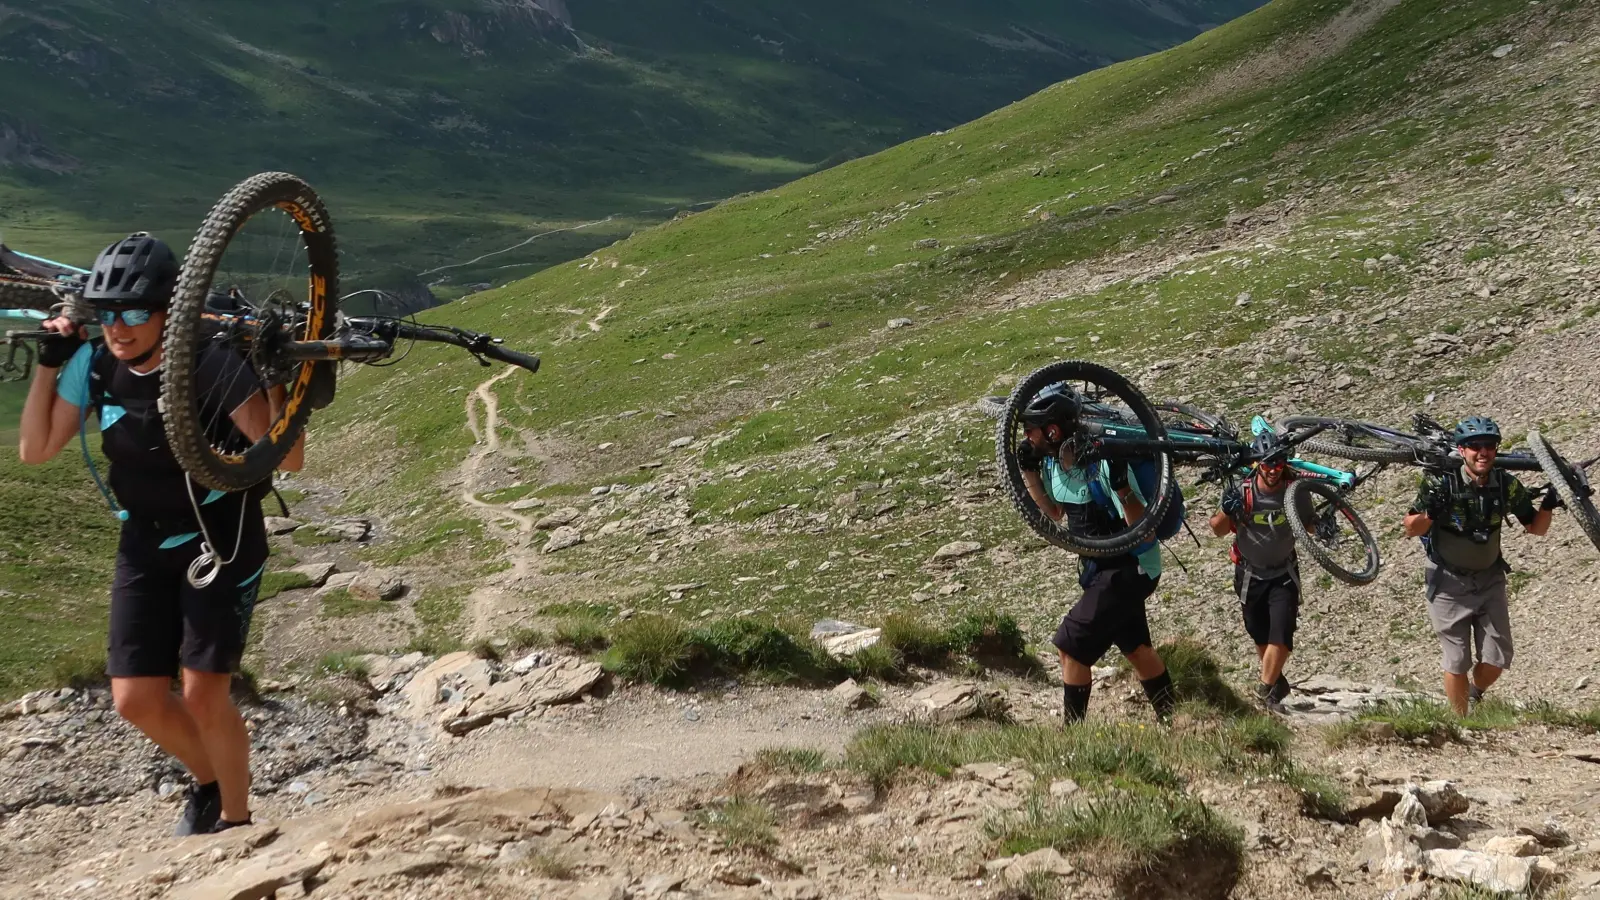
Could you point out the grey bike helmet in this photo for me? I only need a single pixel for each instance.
(1474, 428)
(1057, 404)
(138, 271)
(1268, 448)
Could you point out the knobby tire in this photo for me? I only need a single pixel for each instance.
(1006, 436)
(185, 331)
(1561, 475)
(1305, 532)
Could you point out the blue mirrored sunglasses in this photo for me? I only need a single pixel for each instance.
(130, 317)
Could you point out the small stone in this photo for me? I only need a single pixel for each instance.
(316, 573)
(1048, 861)
(926, 244)
(1550, 833)
(1343, 383)
(527, 503)
(563, 516)
(1440, 799)
(376, 586)
(901, 323)
(851, 695)
(957, 550)
(1506, 874)
(1502, 51)
(680, 443)
(562, 538)
(1519, 845)
(280, 525)
(1242, 300)
(1062, 788)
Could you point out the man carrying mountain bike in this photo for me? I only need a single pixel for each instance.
(178, 607)
(1266, 570)
(1096, 499)
(1458, 514)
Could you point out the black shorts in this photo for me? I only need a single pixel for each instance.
(1111, 611)
(1271, 607)
(160, 622)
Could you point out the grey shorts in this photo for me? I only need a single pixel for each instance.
(1469, 613)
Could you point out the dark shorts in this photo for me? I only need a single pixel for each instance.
(1271, 607)
(1111, 611)
(160, 622)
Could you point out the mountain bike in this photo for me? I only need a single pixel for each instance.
(1430, 448)
(261, 278)
(1117, 422)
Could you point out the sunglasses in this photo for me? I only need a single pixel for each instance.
(1481, 446)
(130, 317)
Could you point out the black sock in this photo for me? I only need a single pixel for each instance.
(1075, 701)
(1162, 696)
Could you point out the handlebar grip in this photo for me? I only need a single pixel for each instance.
(501, 354)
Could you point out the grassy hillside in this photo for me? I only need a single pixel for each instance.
(444, 129)
(1130, 159)
(1331, 159)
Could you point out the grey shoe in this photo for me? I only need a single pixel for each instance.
(1266, 696)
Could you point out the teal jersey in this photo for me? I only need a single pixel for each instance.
(1072, 486)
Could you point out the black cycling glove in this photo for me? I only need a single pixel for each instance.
(1119, 475)
(1552, 500)
(1232, 501)
(56, 349)
(1029, 459)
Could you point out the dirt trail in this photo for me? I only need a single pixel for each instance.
(486, 435)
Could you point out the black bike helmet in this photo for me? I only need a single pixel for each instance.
(1057, 404)
(1268, 448)
(1475, 427)
(138, 271)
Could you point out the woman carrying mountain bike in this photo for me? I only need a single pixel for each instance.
(178, 606)
(1097, 498)
(1458, 514)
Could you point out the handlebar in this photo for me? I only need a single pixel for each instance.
(478, 344)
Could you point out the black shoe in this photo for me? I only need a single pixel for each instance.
(1281, 688)
(201, 812)
(223, 825)
(1474, 696)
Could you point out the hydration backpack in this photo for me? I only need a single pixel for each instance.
(1148, 476)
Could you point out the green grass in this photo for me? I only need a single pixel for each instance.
(1428, 720)
(347, 662)
(651, 648)
(1145, 830)
(790, 760)
(664, 650)
(275, 583)
(340, 603)
(57, 544)
(553, 865)
(742, 822)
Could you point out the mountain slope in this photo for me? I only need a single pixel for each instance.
(442, 129)
(1329, 159)
(1336, 161)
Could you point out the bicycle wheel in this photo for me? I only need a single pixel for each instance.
(1571, 485)
(1327, 526)
(267, 250)
(1360, 441)
(993, 407)
(1099, 386)
(25, 293)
